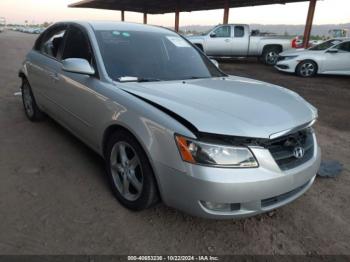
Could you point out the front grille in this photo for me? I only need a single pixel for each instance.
(282, 149)
(281, 58)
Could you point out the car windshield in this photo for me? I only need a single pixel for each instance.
(152, 56)
(207, 32)
(326, 45)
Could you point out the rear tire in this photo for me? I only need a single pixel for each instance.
(307, 68)
(270, 55)
(31, 109)
(130, 173)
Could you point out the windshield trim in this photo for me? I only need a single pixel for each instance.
(172, 80)
(206, 60)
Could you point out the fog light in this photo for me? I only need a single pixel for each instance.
(221, 207)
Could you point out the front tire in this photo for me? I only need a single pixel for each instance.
(307, 68)
(270, 55)
(130, 173)
(31, 109)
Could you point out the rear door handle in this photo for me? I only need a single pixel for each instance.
(227, 40)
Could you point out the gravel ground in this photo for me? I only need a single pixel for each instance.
(54, 198)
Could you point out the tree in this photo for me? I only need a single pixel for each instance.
(45, 24)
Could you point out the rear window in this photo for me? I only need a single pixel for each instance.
(239, 31)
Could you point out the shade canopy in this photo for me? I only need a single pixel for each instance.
(171, 6)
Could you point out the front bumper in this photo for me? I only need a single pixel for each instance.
(288, 66)
(254, 190)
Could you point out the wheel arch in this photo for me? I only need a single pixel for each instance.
(308, 59)
(22, 75)
(112, 128)
(115, 127)
(267, 46)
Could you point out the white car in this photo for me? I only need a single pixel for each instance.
(330, 57)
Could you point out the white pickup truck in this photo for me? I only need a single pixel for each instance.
(236, 40)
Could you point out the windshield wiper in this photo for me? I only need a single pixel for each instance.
(137, 79)
(148, 80)
(197, 77)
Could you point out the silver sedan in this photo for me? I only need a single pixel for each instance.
(169, 123)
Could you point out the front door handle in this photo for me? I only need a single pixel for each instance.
(54, 77)
(227, 40)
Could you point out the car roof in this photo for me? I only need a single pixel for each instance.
(115, 25)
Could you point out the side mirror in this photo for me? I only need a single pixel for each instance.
(212, 35)
(332, 51)
(216, 63)
(77, 65)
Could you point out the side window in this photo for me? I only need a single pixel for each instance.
(77, 45)
(223, 31)
(344, 47)
(52, 42)
(239, 31)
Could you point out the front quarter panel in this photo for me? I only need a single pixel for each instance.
(153, 128)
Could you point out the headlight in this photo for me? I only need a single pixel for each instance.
(201, 153)
(289, 57)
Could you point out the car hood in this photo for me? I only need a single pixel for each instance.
(229, 106)
(297, 52)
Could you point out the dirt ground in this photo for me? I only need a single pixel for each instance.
(54, 198)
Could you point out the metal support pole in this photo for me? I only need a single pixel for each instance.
(177, 19)
(122, 15)
(145, 18)
(309, 21)
(226, 12)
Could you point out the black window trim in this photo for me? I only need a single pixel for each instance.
(200, 52)
(218, 27)
(234, 31)
(37, 45)
(342, 43)
(83, 30)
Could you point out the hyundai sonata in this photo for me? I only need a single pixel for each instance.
(169, 123)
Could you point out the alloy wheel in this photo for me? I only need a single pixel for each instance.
(126, 171)
(271, 58)
(307, 69)
(27, 100)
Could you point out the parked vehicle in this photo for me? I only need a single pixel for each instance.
(2, 24)
(29, 30)
(330, 57)
(169, 124)
(340, 32)
(236, 40)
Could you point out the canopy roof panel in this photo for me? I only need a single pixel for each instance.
(170, 6)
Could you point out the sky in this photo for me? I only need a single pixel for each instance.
(39, 11)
